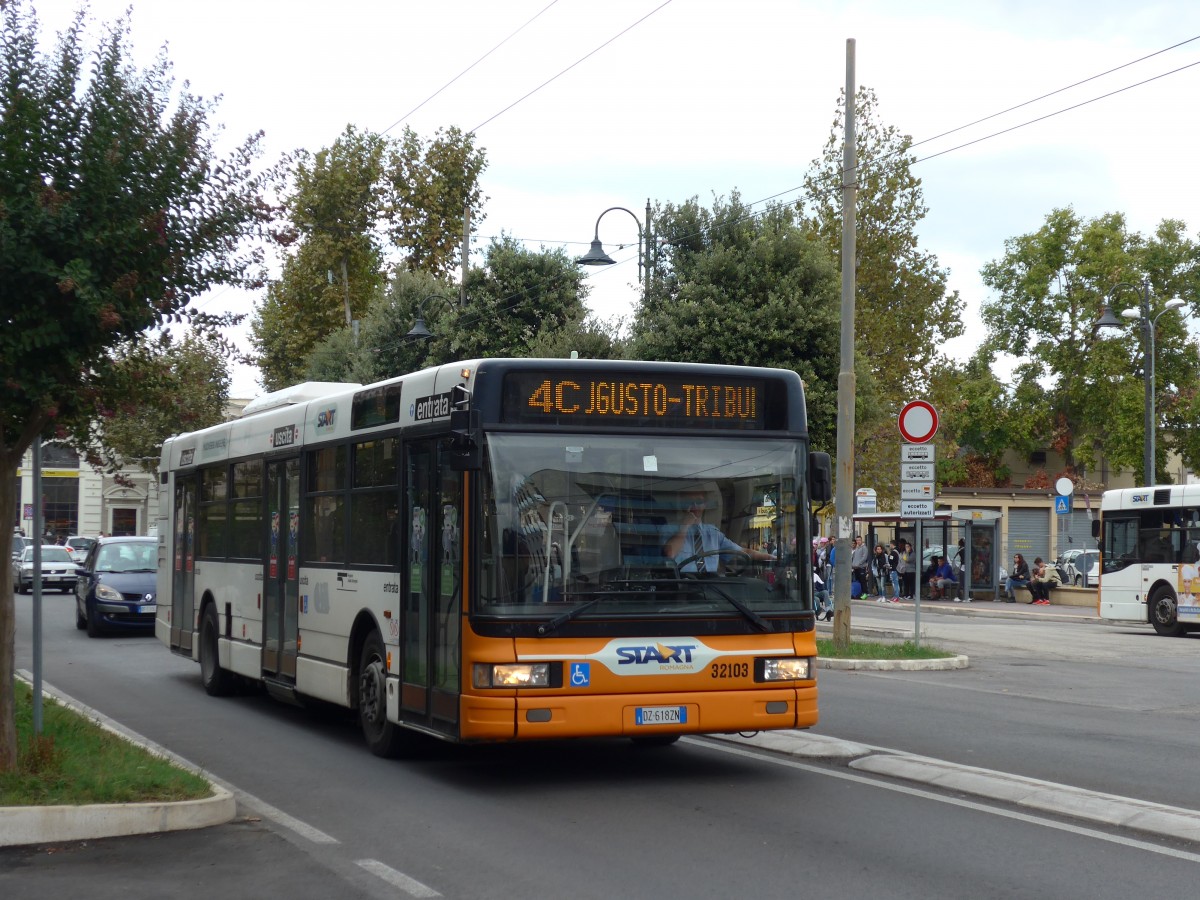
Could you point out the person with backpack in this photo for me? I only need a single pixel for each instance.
(880, 571)
(893, 557)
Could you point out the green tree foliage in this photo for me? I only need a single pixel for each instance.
(305, 305)
(1083, 389)
(903, 312)
(432, 182)
(365, 202)
(115, 212)
(739, 288)
(980, 422)
(162, 387)
(521, 303)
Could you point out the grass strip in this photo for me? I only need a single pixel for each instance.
(877, 650)
(75, 761)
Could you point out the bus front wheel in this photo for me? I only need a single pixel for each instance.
(383, 738)
(1164, 614)
(217, 682)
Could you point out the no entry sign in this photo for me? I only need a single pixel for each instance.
(918, 422)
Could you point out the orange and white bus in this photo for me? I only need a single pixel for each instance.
(1150, 547)
(478, 551)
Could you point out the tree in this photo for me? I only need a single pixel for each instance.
(161, 388)
(745, 289)
(1083, 389)
(336, 268)
(432, 182)
(305, 305)
(903, 312)
(355, 207)
(520, 303)
(116, 212)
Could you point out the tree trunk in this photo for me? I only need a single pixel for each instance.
(8, 620)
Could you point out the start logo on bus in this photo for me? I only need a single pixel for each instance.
(665, 656)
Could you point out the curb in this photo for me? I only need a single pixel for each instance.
(1027, 793)
(54, 824)
(890, 665)
(50, 824)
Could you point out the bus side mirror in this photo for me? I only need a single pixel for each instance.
(820, 477)
(1096, 528)
(464, 440)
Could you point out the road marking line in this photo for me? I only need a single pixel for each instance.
(397, 879)
(953, 801)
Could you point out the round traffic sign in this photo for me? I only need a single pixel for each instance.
(918, 422)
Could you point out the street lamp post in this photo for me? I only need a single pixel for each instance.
(597, 257)
(1142, 312)
(420, 330)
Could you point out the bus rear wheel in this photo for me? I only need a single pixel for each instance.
(383, 738)
(217, 682)
(1164, 614)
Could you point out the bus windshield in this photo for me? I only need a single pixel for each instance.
(587, 525)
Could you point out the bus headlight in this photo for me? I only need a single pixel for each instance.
(786, 668)
(511, 675)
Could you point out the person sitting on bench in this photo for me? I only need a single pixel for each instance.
(1045, 578)
(942, 581)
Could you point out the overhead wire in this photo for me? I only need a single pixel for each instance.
(469, 68)
(583, 58)
(863, 165)
(514, 300)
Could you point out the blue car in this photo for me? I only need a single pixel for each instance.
(117, 585)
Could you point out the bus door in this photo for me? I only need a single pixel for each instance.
(281, 578)
(183, 575)
(431, 621)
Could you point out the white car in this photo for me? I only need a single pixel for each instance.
(78, 546)
(1083, 569)
(58, 570)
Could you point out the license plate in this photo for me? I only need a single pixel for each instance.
(661, 715)
(149, 608)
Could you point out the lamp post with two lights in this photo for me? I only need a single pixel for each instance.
(1142, 312)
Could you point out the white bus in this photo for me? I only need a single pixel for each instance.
(1148, 543)
(479, 552)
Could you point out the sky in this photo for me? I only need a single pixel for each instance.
(582, 106)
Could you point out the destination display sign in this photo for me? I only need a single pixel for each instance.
(737, 403)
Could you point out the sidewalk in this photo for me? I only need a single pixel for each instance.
(1055, 612)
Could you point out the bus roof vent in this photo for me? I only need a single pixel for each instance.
(1162, 496)
(297, 393)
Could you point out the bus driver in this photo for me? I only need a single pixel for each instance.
(697, 547)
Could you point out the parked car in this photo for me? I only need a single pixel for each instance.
(19, 543)
(116, 585)
(1082, 569)
(1064, 559)
(58, 569)
(78, 546)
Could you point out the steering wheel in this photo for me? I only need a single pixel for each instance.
(741, 561)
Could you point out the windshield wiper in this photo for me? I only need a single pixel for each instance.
(564, 618)
(759, 622)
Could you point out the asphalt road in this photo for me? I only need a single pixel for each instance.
(321, 817)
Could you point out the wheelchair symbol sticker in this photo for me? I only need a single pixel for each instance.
(581, 674)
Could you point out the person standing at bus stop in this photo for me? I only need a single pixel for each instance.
(906, 570)
(859, 558)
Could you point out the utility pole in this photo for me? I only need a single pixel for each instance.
(844, 497)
